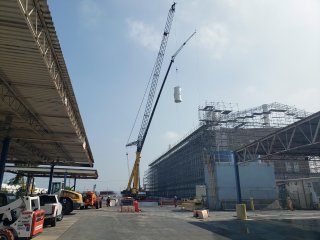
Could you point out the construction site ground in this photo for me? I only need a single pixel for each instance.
(169, 223)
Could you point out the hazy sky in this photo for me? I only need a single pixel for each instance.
(245, 51)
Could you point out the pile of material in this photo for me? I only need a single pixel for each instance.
(201, 214)
(191, 205)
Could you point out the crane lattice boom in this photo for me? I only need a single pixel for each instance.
(147, 116)
(155, 77)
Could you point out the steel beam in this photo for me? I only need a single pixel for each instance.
(37, 25)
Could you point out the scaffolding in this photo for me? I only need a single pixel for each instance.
(222, 129)
(274, 115)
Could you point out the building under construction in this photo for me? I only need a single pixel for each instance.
(223, 128)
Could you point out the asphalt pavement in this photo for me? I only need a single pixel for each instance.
(171, 223)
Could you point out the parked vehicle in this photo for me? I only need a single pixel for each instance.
(69, 199)
(52, 207)
(21, 218)
(92, 200)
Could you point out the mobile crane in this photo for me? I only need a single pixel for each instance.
(134, 177)
(132, 187)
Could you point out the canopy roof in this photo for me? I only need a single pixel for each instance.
(38, 108)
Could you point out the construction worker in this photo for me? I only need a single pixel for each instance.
(290, 204)
(175, 201)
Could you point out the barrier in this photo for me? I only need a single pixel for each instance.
(37, 222)
(127, 209)
(241, 211)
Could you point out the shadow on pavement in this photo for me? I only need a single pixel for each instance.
(264, 229)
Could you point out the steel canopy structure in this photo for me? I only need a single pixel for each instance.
(301, 138)
(78, 173)
(39, 115)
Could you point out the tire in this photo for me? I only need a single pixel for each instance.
(60, 217)
(53, 222)
(67, 206)
(86, 206)
(6, 234)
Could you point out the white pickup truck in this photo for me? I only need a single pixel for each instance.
(52, 207)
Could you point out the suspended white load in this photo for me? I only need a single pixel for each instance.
(177, 94)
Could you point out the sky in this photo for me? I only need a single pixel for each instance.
(246, 52)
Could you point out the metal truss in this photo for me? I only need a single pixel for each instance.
(300, 139)
(9, 97)
(33, 150)
(37, 25)
(39, 154)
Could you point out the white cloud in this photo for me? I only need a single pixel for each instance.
(90, 12)
(214, 38)
(171, 136)
(305, 97)
(249, 90)
(144, 34)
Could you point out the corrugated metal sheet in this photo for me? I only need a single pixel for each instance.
(257, 180)
(46, 123)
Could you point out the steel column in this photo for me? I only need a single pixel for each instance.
(3, 159)
(50, 178)
(74, 183)
(236, 170)
(65, 180)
